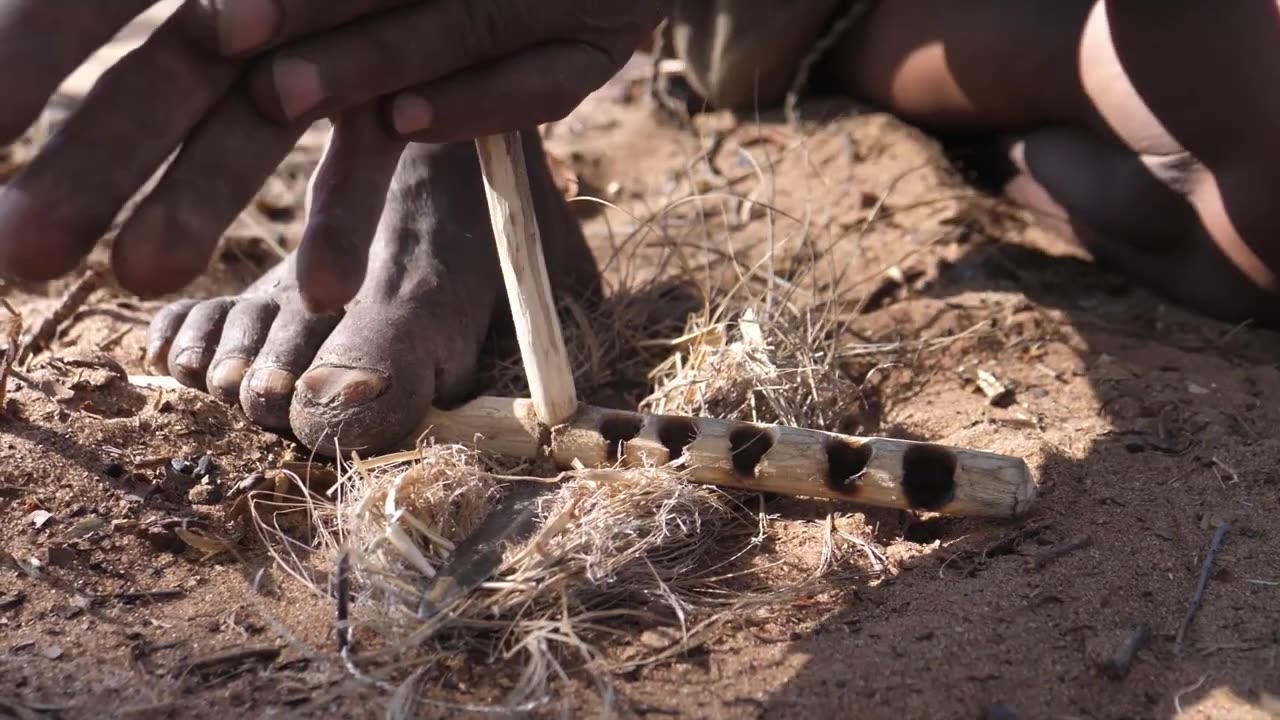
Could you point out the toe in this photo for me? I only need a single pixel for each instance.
(290, 345)
(243, 334)
(163, 329)
(196, 341)
(370, 384)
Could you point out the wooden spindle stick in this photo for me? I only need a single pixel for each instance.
(792, 461)
(524, 271)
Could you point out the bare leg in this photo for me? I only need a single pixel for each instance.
(1103, 103)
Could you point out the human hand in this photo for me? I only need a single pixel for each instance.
(451, 69)
(390, 70)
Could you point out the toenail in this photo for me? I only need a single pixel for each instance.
(347, 387)
(228, 373)
(411, 114)
(297, 85)
(271, 382)
(245, 25)
(189, 358)
(157, 357)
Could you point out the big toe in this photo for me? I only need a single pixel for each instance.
(369, 386)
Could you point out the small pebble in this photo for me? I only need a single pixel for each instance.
(161, 538)
(205, 468)
(60, 556)
(40, 518)
(182, 466)
(1000, 711)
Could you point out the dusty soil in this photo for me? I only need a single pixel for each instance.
(1145, 425)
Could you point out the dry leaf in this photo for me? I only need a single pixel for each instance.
(56, 390)
(211, 547)
(84, 529)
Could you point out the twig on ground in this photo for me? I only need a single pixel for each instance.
(1062, 549)
(231, 657)
(1196, 600)
(149, 594)
(134, 596)
(149, 710)
(71, 301)
(9, 330)
(16, 708)
(1118, 664)
(1009, 542)
(1220, 468)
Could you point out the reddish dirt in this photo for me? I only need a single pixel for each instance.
(1145, 425)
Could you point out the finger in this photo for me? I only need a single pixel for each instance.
(239, 27)
(357, 63)
(170, 238)
(53, 213)
(42, 42)
(524, 90)
(349, 190)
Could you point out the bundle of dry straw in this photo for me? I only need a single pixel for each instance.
(618, 551)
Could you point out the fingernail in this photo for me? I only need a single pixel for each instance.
(411, 114)
(271, 383)
(297, 87)
(245, 25)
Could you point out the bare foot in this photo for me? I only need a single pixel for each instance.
(362, 380)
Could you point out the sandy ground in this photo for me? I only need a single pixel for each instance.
(1146, 427)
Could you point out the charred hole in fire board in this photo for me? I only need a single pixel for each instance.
(676, 434)
(845, 462)
(928, 476)
(747, 447)
(618, 429)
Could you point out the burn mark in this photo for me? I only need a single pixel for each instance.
(675, 434)
(748, 445)
(928, 476)
(618, 429)
(845, 461)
